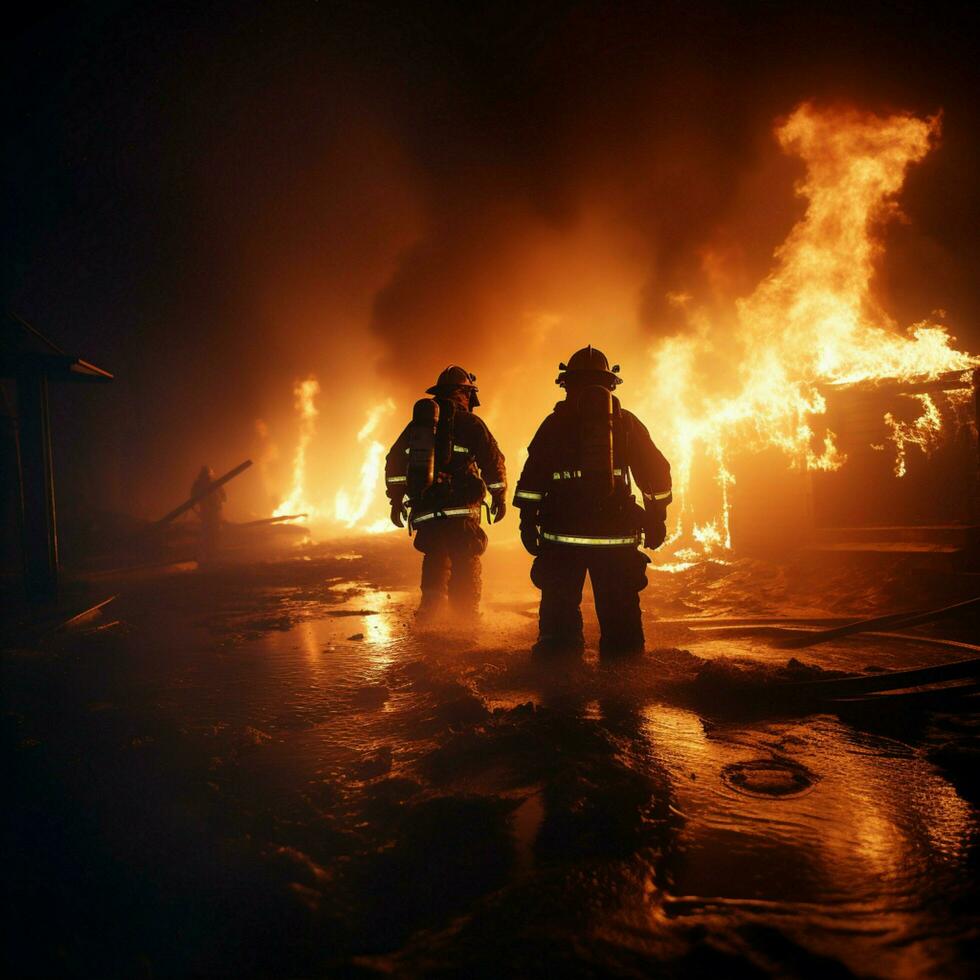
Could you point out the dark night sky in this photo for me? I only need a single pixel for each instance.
(188, 182)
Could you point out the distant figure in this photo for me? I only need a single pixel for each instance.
(578, 513)
(442, 467)
(209, 510)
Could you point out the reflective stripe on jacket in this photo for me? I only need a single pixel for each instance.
(417, 518)
(631, 540)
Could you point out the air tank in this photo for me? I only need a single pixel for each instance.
(422, 447)
(596, 433)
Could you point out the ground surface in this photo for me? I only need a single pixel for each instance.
(263, 769)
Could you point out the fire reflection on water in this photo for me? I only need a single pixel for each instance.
(876, 840)
(381, 629)
(851, 845)
(356, 641)
(313, 649)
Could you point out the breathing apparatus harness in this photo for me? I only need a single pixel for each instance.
(432, 450)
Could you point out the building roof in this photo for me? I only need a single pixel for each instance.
(25, 350)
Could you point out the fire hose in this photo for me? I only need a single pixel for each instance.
(867, 688)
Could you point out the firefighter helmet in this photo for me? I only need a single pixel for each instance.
(588, 366)
(454, 377)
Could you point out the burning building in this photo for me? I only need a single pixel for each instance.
(819, 424)
(907, 482)
(803, 410)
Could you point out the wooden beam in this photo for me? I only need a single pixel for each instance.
(265, 521)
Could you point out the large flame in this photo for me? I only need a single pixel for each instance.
(811, 322)
(296, 502)
(350, 507)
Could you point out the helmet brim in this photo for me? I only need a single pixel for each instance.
(444, 391)
(448, 389)
(588, 377)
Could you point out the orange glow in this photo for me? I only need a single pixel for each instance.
(811, 322)
(750, 374)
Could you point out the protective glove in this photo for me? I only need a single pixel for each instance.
(498, 507)
(530, 534)
(654, 533)
(398, 513)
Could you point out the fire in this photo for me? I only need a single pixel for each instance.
(923, 432)
(812, 322)
(350, 508)
(756, 380)
(296, 502)
(709, 536)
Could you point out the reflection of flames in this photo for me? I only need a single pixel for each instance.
(296, 502)
(812, 321)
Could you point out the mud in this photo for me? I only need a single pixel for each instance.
(265, 769)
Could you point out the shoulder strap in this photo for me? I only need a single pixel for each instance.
(445, 433)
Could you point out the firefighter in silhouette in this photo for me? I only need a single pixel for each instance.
(437, 476)
(579, 515)
(209, 511)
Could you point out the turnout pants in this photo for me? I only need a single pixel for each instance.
(618, 576)
(451, 564)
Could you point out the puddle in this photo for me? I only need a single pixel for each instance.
(838, 833)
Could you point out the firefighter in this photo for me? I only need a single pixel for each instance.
(579, 515)
(209, 511)
(437, 476)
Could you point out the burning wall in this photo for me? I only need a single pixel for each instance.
(911, 449)
(812, 322)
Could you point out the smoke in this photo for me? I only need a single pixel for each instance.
(216, 203)
(659, 123)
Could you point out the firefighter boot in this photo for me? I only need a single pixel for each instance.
(465, 587)
(435, 578)
(560, 578)
(617, 579)
(559, 625)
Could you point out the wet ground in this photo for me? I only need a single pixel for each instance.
(263, 769)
